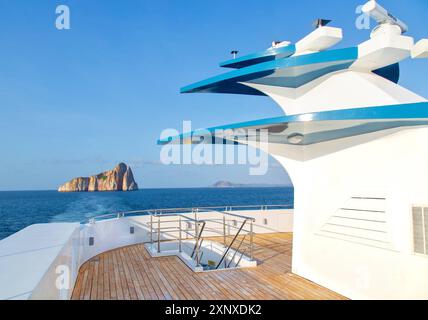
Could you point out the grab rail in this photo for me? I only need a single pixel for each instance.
(173, 211)
(224, 256)
(237, 249)
(198, 234)
(158, 228)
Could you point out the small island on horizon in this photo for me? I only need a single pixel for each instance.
(228, 184)
(120, 178)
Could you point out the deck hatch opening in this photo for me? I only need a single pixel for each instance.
(197, 247)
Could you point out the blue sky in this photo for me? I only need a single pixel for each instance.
(75, 102)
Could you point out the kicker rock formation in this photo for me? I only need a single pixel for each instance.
(118, 179)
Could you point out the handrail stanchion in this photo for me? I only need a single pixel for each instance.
(159, 234)
(224, 231)
(179, 233)
(197, 241)
(251, 240)
(151, 228)
(224, 235)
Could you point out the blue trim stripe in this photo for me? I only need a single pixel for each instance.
(224, 83)
(415, 111)
(259, 57)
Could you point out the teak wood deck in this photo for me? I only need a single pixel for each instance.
(131, 273)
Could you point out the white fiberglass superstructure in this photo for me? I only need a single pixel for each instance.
(354, 144)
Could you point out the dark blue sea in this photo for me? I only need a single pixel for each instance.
(19, 209)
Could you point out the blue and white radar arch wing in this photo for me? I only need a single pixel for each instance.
(312, 127)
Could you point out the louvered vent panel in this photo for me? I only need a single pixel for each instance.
(418, 230)
(361, 219)
(426, 229)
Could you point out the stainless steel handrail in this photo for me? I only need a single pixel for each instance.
(230, 245)
(237, 249)
(195, 210)
(242, 254)
(161, 224)
(156, 219)
(198, 236)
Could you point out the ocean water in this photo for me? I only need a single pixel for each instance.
(19, 209)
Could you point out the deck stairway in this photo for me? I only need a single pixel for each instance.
(188, 233)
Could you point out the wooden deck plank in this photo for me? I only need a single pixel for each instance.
(88, 283)
(78, 285)
(147, 274)
(117, 283)
(142, 292)
(100, 278)
(111, 282)
(131, 273)
(149, 291)
(127, 274)
(94, 285)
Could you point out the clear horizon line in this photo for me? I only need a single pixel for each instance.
(262, 185)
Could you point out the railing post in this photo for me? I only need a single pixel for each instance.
(179, 233)
(197, 242)
(151, 228)
(251, 240)
(224, 230)
(224, 236)
(159, 230)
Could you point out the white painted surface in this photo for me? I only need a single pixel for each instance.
(382, 16)
(420, 50)
(366, 260)
(320, 39)
(26, 256)
(383, 49)
(338, 90)
(356, 87)
(280, 44)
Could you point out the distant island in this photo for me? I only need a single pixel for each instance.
(120, 178)
(228, 184)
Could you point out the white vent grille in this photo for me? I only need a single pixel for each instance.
(361, 219)
(420, 230)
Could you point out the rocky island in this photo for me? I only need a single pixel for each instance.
(120, 178)
(226, 184)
